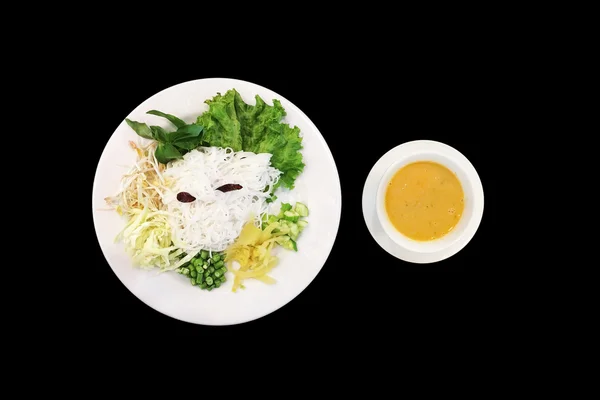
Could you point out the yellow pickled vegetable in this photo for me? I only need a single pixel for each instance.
(252, 250)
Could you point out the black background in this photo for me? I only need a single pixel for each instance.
(362, 111)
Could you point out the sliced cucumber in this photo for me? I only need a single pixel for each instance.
(302, 224)
(301, 209)
(294, 231)
(291, 216)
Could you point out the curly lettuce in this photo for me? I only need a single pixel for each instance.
(230, 122)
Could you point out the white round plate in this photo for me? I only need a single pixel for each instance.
(370, 194)
(170, 293)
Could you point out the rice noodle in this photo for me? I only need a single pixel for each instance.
(215, 219)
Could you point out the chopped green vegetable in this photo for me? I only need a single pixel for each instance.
(289, 225)
(301, 209)
(291, 216)
(284, 207)
(302, 224)
(203, 274)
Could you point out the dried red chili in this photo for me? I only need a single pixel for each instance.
(229, 187)
(185, 197)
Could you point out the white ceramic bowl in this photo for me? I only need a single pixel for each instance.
(464, 170)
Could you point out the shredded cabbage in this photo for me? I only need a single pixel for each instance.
(147, 238)
(147, 234)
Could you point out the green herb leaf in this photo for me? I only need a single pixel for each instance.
(221, 126)
(230, 122)
(173, 119)
(140, 128)
(189, 144)
(185, 133)
(159, 134)
(166, 152)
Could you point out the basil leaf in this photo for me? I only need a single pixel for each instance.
(166, 152)
(188, 144)
(185, 133)
(159, 134)
(173, 119)
(140, 128)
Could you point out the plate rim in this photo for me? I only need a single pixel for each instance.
(323, 142)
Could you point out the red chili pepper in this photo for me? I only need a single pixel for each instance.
(185, 197)
(229, 187)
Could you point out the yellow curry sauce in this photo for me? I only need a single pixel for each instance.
(424, 200)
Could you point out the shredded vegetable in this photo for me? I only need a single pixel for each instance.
(252, 250)
(143, 184)
(147, 235)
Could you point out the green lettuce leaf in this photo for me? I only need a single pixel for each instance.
(230, 122)
(221, 126)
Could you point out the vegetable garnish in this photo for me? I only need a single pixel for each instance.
(171, 145)
(252, 249)
(147, 234)
(205, 270)
(229, 187)
(185, 197)
(230, 122)
(199, 194)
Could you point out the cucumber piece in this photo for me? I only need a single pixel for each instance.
(294, 231)
(301, 209)
(302, 224)
(291, 216)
